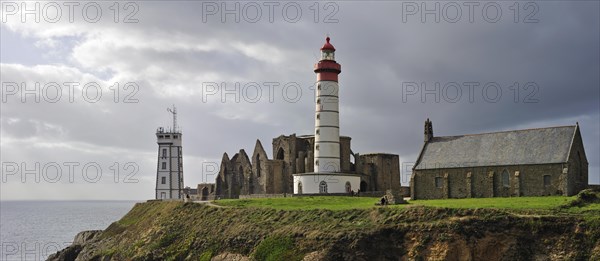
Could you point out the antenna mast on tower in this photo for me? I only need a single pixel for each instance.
(174, 112)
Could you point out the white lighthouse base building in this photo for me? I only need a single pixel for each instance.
(325, 183)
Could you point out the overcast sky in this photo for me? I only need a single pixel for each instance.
(482, 67)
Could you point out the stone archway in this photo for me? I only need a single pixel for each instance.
(204, 193)
(364, 186)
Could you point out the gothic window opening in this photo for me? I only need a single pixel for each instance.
(505, 179)
(348, 187)
(258, 165)
(280, 154)
(240, 174)
(580, 170)
(299, 187)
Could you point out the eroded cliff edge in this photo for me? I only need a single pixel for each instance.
(191, 231)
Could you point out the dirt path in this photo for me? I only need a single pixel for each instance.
(209, 203)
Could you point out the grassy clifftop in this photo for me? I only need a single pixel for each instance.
(559, 228)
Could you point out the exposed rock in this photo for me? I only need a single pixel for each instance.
(67, 254)
(314, 256)
(230, 257)
(72, 252)
(86, 236)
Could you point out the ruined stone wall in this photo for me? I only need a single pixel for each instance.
(206, 191)
(277, 176)
(381, 171)
(345, 150)
(261, 168)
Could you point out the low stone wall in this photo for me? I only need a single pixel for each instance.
(375, 194)
(595, 187)
(265, 196)
(362, 194)
(405, 191)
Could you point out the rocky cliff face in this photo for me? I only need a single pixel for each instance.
(189, 231)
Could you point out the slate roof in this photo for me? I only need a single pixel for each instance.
(518, 147)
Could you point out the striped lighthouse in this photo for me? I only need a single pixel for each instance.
(328, 176)
(327, 118)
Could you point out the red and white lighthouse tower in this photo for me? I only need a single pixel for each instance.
(327, 176)
(327, 115)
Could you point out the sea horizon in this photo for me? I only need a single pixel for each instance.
(34, 229)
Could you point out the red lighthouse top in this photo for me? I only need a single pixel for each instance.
(327, 68)
(327, 45)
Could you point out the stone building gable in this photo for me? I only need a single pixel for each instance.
(223, 179)
(519, 147)
(261, 165)
(577, 168)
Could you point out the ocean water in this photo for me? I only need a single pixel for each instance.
(32, 230)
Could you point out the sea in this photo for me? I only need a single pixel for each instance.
(32, 230)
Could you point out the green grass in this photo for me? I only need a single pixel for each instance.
(276, 248)
(342, 203)
(302, 203)
(549, 202)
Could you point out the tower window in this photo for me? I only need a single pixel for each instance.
(163, 180)
(175, 136)
(318, 116)
(164, 165)
(168, 136)
(164, 153)
(318, 132)
(317, 147)
(318, 101)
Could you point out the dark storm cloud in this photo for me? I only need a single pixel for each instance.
(171, 53)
